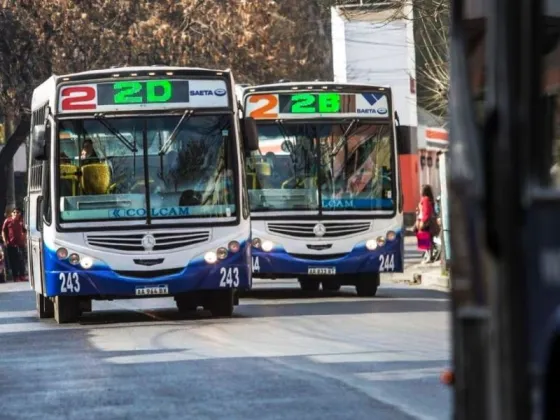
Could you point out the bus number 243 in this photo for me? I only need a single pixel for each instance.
(70, 282)
(229, 277)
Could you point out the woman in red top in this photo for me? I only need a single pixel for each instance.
(427, 204)
(425, 216)
(13, 235)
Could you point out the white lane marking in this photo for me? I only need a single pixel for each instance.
(402, 375)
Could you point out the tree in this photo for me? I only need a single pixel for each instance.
(261, 41)
(22, 63)
(431, 25)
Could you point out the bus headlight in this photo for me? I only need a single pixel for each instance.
(371, 244)
(62, 253)
(234, 246)
(86, 262)
(74, 259)
(222, 253)
(380, 241)
(267, 246)
(256, 243)
(391, 235)
(210, 257)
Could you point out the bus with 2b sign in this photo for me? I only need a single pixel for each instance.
(324, 185)
(136, 189)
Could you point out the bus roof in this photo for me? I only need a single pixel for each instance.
(46, 91)
(124, 71)
(313, 85)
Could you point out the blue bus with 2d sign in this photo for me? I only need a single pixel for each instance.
(136, 189)
(324, 185)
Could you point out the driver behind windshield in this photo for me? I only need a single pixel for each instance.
(88, 154)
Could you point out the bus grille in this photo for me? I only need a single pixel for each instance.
(305, 230)
(132, 242)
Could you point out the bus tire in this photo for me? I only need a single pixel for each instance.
(309, 285)
(185, 304)
(85, 306)
(331, 285)
(66, 309)
(366, 285)
(45, 306)
(221, 303)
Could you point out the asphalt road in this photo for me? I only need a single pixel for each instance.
(282, 356)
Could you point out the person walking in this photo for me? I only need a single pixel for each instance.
(427, 226)
(14, 236)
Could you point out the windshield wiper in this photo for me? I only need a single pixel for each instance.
(103, 120)
(186, 115)
(343, 139)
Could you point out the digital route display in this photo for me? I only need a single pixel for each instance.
(317, 105)
(143, 94)
(311, 103)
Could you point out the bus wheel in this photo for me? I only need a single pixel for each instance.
(309, 285)
(186, 304)
(331, 285)
(45, 306)
(366, 285)
(66, 309)
(220, 303)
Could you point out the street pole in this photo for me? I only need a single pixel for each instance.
(443, 162)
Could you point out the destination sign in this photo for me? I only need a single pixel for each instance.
(150, 94)
(317, 105)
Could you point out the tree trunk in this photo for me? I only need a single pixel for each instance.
(15, 139)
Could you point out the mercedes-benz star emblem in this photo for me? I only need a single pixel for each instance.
(148, 242)
(319, 230)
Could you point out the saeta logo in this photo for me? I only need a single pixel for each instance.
(372, 98)
(202, 93)
(220, 92)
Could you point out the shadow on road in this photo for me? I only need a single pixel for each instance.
(259, 303)
(277, 293)
(17, 301)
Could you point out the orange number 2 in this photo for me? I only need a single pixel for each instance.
(265, 110)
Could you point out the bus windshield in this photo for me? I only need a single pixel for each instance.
(134, 168)
(322, 167)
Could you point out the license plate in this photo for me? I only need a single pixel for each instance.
(152, 290)
(322, 271)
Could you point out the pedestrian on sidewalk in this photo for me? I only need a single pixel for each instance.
(427, 227)
(14, 236)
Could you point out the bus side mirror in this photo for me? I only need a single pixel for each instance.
(402, 137)
(39, 142)
(250, 134)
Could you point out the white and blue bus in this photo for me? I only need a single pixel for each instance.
(324, 187)
(137, 189)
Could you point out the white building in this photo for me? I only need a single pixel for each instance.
(375, 44)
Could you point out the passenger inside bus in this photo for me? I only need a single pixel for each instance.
(88, 154)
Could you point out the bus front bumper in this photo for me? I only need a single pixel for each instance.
(100, 281)
(278, 263)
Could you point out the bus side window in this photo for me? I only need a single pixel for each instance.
(39, 214)
(45, 207)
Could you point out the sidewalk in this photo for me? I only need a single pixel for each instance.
(430, 275)
(426, 275)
